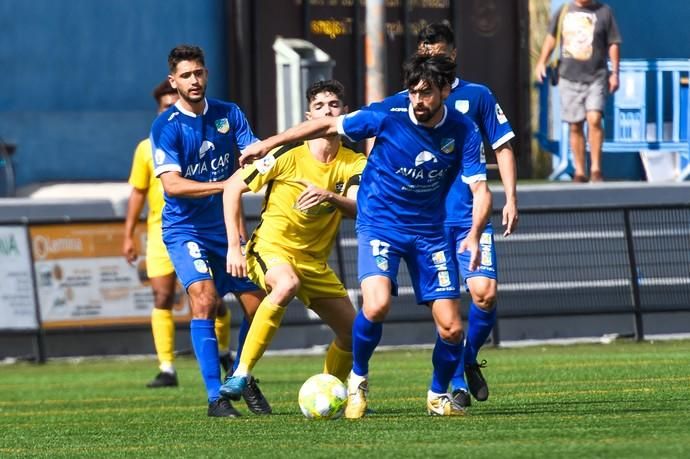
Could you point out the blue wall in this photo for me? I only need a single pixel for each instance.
(78, 74)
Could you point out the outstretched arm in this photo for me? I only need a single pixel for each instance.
(307, 130)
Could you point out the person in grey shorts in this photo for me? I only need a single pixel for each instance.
(587, 32)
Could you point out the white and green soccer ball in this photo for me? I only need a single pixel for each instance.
(323, 396)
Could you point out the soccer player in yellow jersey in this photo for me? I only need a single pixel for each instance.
(310, 186)
(159, 268)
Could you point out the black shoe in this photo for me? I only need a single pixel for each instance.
(255, 400)
(226, 362)
(476, 381)
(163, 379)
(462, 398)
(222, 408)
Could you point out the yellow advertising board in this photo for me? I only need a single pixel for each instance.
(82, 278)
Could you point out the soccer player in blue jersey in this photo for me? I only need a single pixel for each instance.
(479, 104)
(193, 153)
(400, 210)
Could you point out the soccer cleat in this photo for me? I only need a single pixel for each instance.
(226, 362)
(443, 406)
(461, 397)
(233, 387)
(357, 401)
(163, 379)
(476, 381)
(255, 400)
(222, 408)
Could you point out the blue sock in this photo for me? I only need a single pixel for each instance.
(479, 325)
(445, 359)
(241, 336)
(365, 337)
(205, 347)
(458, 381)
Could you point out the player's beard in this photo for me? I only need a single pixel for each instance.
(424, 114)
(193, 99)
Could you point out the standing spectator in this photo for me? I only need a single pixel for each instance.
(587, 32)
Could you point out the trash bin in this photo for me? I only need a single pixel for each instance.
(298, 64)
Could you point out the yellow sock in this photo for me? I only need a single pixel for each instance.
(338, 362)
(222, 328)
(264, 326)
(163, 328)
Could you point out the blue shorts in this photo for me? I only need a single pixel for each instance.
(198, 258)
(487, 263)
(429, 260)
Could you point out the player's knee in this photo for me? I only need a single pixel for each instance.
(204, 305)
(485, 302)
(376, 311)
(163, 299)
(285, 289)
(451, 333)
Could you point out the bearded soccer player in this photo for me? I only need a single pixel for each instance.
(311, 185)
(478, 103)
(193, 144)
(400, 211)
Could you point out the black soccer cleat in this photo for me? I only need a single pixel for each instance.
(254, 398)
(475, 380)
(226, 362)
(462, 397)
(163, 379)
(222, 408)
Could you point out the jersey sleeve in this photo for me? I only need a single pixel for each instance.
(140, 174)
(244, 136)
(396, 102)
(473, 166)
(494, 123)
(270, 167)
(355, 173)
(361, 124)
(166, 155)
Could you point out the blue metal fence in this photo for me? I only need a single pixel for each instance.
(648, 112)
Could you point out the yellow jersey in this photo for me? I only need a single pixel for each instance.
(313, 231)
(142, 178)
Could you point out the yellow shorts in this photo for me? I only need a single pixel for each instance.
(317, 279)
(158, 262)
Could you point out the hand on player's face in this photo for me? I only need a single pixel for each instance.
(253, 152)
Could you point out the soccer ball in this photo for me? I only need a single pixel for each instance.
(323, 396)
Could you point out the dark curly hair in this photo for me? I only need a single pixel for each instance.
(332, 86)
(438, 71)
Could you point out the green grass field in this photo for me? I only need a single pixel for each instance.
(620, 400)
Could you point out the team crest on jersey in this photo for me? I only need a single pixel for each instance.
(463, 106)
(448, 145)
(223, 125)
(500, 116)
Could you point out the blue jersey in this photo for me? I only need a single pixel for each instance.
(478, 103)
(404, 184)
(200, 148)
